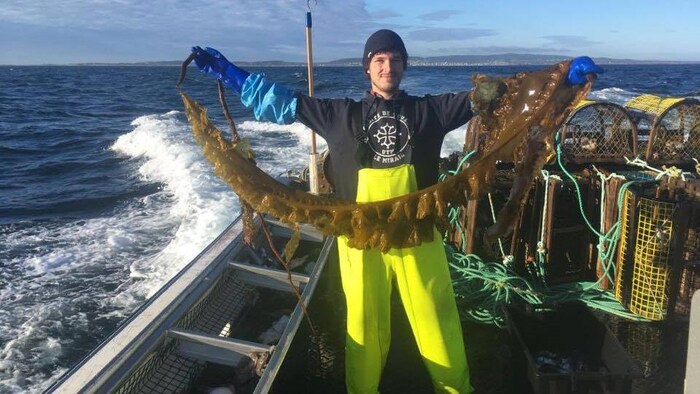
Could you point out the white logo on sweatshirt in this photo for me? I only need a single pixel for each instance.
(386, 130)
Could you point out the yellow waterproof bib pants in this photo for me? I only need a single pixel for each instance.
(425, 287)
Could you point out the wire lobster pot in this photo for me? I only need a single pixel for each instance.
(598, 132)
(687, 191)
(656, 264)
(552, 226)
(547, 223)
(673, 128)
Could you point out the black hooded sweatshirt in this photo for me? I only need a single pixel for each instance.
(378, 133)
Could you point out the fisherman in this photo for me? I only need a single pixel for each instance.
(383, 146)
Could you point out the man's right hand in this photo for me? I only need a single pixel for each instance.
(212, 62)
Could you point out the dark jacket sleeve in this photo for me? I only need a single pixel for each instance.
(453, 109)
(322, 115)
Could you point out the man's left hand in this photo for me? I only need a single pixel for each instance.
(580, 67)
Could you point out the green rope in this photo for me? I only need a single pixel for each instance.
(483, 288)
(607, 243)
(578, 189)
(453, 213)
(592, 295)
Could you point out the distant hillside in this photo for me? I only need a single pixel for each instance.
(506, 59)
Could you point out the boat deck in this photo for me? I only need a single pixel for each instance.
(315, 360)
(210, 337)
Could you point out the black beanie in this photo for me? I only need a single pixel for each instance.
(383, 41)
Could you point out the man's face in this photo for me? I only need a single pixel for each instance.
(385, 73)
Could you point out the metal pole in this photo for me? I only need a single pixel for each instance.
(313, 157)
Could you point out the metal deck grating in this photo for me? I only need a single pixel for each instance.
(165, 371)
(148, 377)
(233, 297)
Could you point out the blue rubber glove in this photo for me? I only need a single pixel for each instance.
(581, 66)
(212, 62)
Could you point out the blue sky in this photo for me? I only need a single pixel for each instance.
(74, 31)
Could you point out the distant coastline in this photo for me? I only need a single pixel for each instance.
(508, 59)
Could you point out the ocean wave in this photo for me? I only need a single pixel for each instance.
(202, 204)
(62, 271)
(613, 95)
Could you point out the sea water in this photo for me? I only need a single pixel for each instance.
(104, 195)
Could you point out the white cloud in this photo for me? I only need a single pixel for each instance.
(72, 31)
(449, 34)
(439, 15)
(571, 40)
(166, 29)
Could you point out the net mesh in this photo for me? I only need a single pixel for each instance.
(621, 267)
(649, 290)
(674, 128)
(164, 370)
(599, 132)
(676, 135)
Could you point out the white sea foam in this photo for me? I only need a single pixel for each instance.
(289, 148)
(613, 95)
(87, 274)
(202, 204)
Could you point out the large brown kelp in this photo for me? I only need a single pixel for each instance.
(519, 117)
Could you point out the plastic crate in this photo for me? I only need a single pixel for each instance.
(568, 350)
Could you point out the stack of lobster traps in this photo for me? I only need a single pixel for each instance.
(652, 214)
(657, 262)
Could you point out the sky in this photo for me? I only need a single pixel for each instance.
(85, 31)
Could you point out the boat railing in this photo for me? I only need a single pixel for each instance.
(189, 323)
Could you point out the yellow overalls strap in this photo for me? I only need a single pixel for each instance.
(424, 283)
